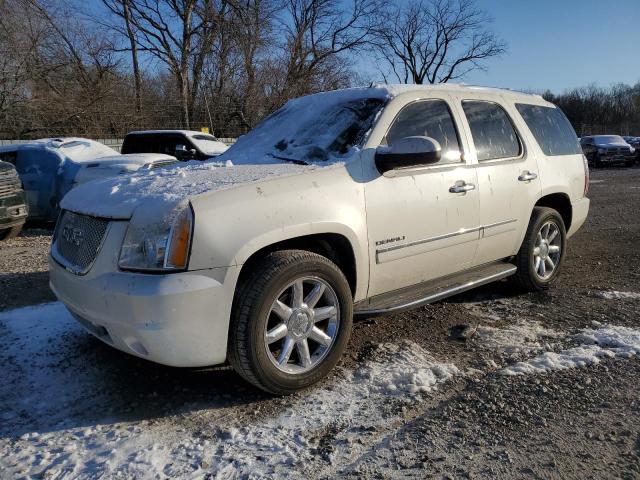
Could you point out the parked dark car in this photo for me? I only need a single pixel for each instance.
(635, 143)
(183, 144)
(13, 203)
(602, 150)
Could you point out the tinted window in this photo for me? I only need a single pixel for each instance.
(430, 118)
(8, 157)
(551, 129)
(492, 130)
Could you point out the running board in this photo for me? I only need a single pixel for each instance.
(432, 291)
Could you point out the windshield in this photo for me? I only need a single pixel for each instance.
(208, 144)
(315, 129)
(602, 139)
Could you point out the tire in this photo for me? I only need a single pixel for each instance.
(596, 161)
(12, 232)
(528, 275)
(254, 314)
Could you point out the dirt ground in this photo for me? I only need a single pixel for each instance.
(77, 408)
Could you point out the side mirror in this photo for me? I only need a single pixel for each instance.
(408, 152)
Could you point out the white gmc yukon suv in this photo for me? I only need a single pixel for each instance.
(353, 202)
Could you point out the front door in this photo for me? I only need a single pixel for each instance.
(420, 225)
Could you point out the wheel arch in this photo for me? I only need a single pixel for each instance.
(561, 203)
(334, 246)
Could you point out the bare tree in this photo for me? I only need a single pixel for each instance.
(123, 25)
(180, 34)
(318, 32)
(435, 41)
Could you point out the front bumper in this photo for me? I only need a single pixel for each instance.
(13, 211)
(178, 319)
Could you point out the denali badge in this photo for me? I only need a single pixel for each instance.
(73, 235)
(389, 240)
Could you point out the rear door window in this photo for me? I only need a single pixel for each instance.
(493, 133)
(427, 118)
(551, 129)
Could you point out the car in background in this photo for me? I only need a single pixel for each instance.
(50, 167)
(185, 145)
(13, 205)
(635, 143)
(602, 150)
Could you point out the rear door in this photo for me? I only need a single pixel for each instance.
(507, 174)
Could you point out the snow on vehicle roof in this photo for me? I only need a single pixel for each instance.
(76, 149)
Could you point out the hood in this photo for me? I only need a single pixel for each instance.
(160, 192)
(139, 159)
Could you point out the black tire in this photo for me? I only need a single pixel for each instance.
(12, 232)
(526, 276)
(254, 297)
(596, 161)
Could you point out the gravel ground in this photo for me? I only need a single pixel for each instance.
(420, 394)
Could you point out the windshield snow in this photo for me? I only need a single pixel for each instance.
(311, 130)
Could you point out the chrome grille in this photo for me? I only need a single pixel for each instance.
(9, 186)
(77, 241)
(159, 164)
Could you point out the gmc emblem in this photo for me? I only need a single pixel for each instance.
(73, 235)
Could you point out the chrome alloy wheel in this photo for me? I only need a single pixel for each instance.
(548, 250)
(302, 325)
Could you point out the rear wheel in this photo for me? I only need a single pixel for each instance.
(12, 232)
(542, 251)
(291, 321)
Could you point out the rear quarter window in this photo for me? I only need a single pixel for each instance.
(551, 129)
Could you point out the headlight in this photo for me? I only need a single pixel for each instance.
(160, 247)
(632, 150)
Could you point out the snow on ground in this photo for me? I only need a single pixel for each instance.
(615, 295)
(56, 421)
(596, 344)
(520, 337)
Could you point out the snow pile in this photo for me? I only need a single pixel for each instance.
(163, 189)
(521, 337)
(615, 295)
(604, 342)
(408, 370)
(56, 422)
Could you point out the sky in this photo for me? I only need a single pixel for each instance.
(562, 44)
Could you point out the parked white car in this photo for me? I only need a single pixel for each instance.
(50, 167)
(360, 201)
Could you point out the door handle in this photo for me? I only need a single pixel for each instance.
(461, 187)
(527, 176)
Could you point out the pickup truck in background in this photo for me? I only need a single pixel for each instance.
(185, 145)
(13, 204)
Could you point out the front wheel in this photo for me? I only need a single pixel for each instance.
(291, 321)
(542, 251)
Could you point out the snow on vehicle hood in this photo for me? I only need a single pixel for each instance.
(158, 193)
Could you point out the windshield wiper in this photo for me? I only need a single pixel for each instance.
(292, 160)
